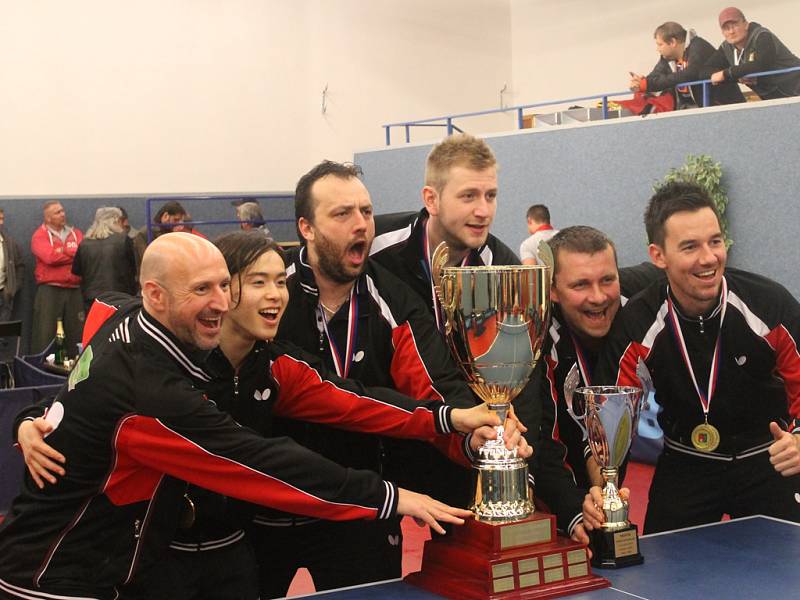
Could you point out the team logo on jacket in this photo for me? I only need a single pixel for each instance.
(81, 370)
(261, 396)
(740, 360)
(358, 356)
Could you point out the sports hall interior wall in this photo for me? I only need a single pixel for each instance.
(603, 174)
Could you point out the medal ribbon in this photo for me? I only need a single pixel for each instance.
(583, 365)
(342, 363)
(705, 398)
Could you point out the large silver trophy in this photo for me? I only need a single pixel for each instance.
(610, 415)
(495, 319)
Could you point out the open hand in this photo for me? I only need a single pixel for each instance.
(43, 461)
(427, 511)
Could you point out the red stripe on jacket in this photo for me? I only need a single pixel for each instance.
(146, 447)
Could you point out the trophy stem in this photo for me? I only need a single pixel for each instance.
(501, 410)
(614, 507)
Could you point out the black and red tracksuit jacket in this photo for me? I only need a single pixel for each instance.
(134, 425)
(759, 364)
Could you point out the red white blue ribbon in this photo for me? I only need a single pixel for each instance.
(341, 361)
(705, 397)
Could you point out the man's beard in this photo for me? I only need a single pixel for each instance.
(330, 259)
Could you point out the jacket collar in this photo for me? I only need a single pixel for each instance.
(414, 252)
(308, 282)
(189, 359)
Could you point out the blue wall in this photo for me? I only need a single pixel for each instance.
(602, 175)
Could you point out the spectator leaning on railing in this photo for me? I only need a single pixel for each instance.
(682, 55)
(750, 48)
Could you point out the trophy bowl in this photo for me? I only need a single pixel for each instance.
(495, 320)
(611, 416)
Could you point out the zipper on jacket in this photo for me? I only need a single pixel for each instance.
(137, 528)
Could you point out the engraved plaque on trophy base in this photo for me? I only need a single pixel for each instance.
(615, 549)
(523, 559)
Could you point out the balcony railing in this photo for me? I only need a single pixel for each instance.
(447, 120)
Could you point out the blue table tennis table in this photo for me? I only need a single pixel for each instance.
(753, 557)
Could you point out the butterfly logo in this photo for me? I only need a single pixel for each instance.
(261, 396)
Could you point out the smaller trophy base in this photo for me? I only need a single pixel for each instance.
(523, 559)
(616, 549)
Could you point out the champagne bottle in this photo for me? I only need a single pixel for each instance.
(61, 346)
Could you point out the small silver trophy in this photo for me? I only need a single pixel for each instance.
(611, 416)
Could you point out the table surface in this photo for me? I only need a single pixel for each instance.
(753, 557)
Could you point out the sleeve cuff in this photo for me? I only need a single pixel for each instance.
(443, 419)
(467, 449)
(389, 507)
(574, 522)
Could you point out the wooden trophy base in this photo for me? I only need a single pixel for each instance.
(524, 559)
(616, 549)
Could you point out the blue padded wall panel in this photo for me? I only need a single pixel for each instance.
(602, 175)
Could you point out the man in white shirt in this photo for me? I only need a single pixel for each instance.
(540, 229)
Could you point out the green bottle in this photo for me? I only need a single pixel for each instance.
(61, 345)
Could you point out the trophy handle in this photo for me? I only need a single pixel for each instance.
(576, 410)
(443, 283)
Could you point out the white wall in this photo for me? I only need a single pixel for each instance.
(106, 96)
(570, 48)
(157, 96)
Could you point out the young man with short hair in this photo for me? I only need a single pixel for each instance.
(460, 201)
(540, 230)
(721, 347)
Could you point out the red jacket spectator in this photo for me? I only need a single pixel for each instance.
(54, 257)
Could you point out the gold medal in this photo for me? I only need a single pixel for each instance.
(705, 437)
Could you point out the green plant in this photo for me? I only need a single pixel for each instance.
(706, 173)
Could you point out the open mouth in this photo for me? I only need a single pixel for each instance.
(357, 252)
(210, 322)
(707, 276)
(596, 315)
(270, 315)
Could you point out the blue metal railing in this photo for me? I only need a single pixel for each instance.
(216, 197)
(448, 119)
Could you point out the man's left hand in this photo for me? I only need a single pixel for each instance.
(784, 453)
(718, 77)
